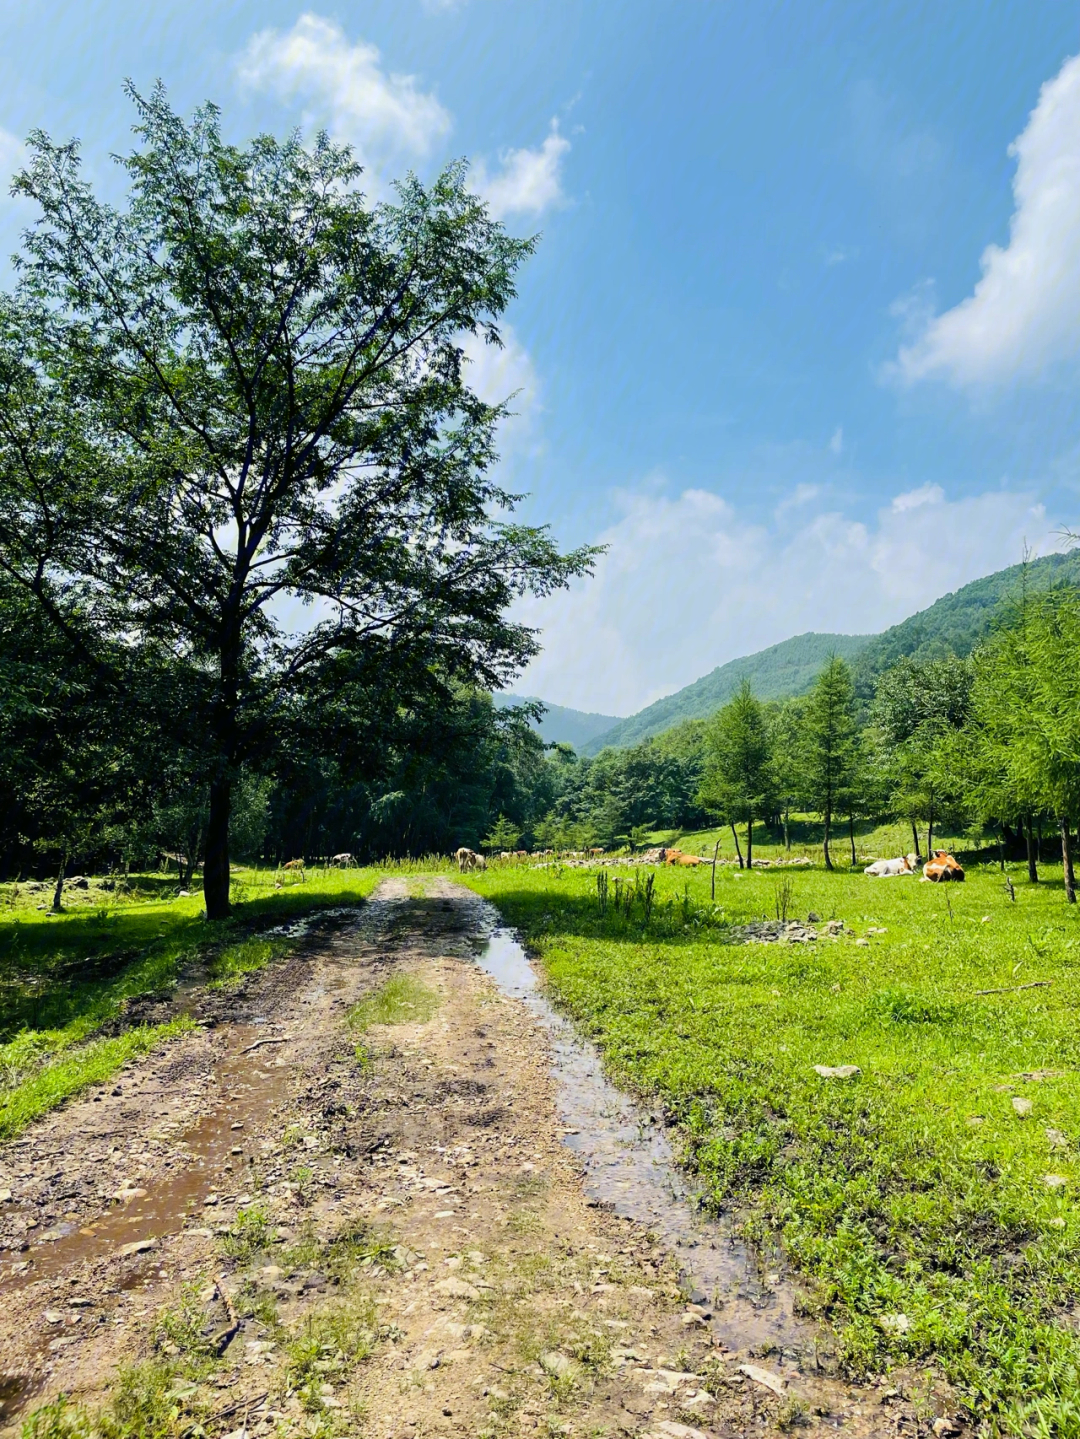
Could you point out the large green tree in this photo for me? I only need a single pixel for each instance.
(918, 708)
(738, 781)
(1026, 703)
(830, 748)
(237, 429)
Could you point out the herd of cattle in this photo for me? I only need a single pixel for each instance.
(940, 868)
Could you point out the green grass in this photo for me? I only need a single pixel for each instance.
(68, 984)
(401, 1000)
(913, 1190)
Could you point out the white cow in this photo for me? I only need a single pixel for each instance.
(888, 868)
(343, 860)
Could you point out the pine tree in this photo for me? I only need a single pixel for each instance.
(830, 744)
(738, 775)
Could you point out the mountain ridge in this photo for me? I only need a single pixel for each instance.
(954, 623)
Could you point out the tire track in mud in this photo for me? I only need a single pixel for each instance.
(500, 1298)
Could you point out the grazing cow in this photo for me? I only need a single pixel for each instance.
(887, 868)
(343, 860)
(942, 868)
(468, 859)
(296, 865)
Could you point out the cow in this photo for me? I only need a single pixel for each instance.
(942, 868)
(888, 868)
(297, 866)
(468, 859)
(677, 856)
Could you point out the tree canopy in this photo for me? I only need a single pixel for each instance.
(237, 440)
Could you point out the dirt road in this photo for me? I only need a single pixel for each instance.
(293, 1234)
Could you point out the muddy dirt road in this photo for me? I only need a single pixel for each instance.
(295, 1234)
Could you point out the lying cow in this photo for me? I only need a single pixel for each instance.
(678, 856)
(468, 859)
(942, 868)
(887, 868)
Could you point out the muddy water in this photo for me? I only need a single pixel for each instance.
(249, 1083)
(630, 1168)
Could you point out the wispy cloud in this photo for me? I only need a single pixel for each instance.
(528, 182)
(691, 582)
(505, 373)
(1024, 312)
(343, 85)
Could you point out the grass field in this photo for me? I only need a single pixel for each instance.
(68, 982)
(930, 1201)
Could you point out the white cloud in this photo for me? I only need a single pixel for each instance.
(386, 117)
(912, 499)
(689, 583)
(528, 182)
(497, 374)
(1024, 313)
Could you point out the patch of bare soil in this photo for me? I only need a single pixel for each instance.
(310, 1236)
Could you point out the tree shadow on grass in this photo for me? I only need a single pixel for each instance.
(82, 966)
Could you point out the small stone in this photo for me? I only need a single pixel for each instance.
(944, 1427)
(1057, 1139)
(1021, 1106)
(238, 1125)
(838, 1071)
(813, 918)
(5, 1196)
(140, 1246)
(53, 1316)
(1054, 1181)
(455, 1288)
(764, 1377)
(1057, 1222)
(865, 943)
(126, 1195)
(555, 1363)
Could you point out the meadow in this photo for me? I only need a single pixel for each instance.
(928, 1202)
(72, 985)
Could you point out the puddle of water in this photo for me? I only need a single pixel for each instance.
(249, 1086)
(631, 1169)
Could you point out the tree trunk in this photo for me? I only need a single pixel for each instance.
(715, 852)
(787, 830)
(216, 859)
(738, 851)
(1067, 861)
(915, 838)
(930, 832)
(750, 842)
(58, 893)
(825, 845)
(1033, 868)
(851, 836)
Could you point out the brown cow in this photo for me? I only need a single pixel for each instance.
(297, 865)
(942, 868)
(678, 856)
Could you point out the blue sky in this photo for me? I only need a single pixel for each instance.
(800, 341)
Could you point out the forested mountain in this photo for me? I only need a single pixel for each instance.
(788, 668)
(954, 624)
(560, 725)
(957, 622)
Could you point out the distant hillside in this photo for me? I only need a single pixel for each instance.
(788, 668)
(564, 726)
(957, 622)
